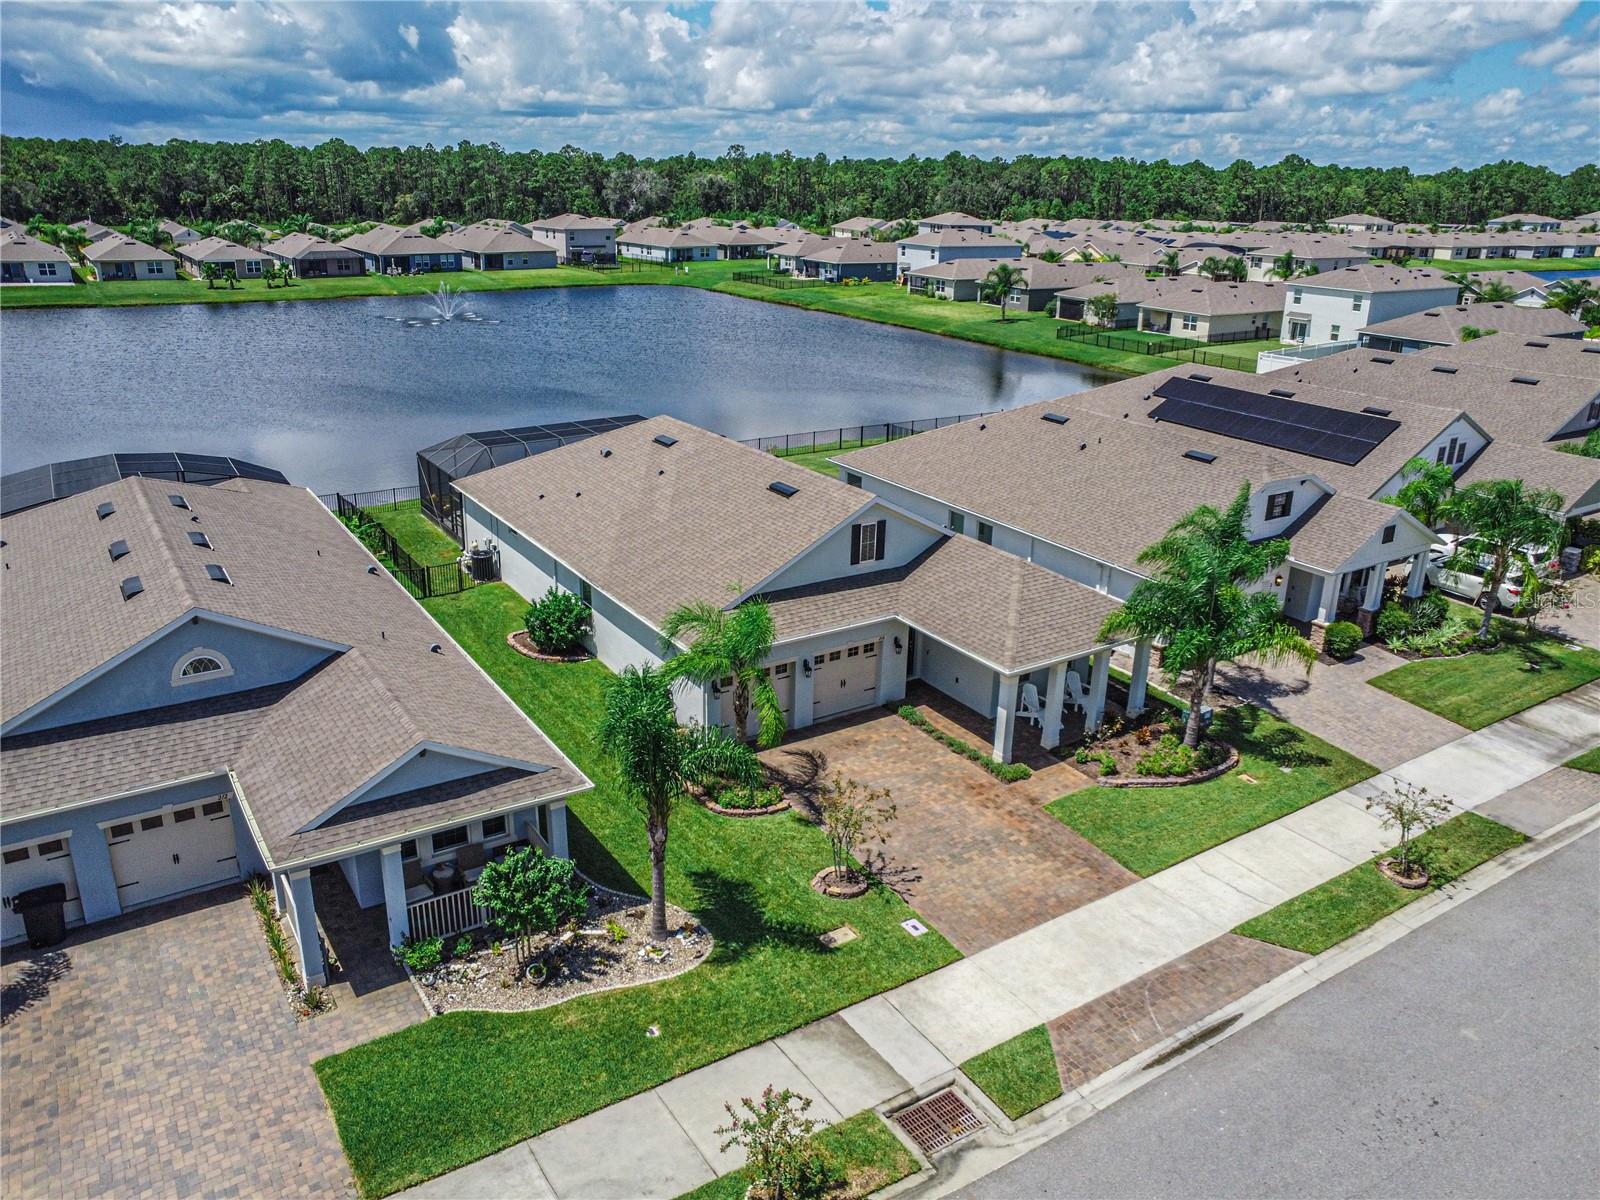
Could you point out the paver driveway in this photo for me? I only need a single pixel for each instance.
(156, 1056)
(979, 859)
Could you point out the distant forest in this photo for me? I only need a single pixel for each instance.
(114, 182)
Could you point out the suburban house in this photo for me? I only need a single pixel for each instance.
(662, 245)
(209, 683)
(122, 257)
(959, 279)
(1582, 221)
(498, 246)
(576, 238)
(859, 227)
(1443, 326)
(224, 255)
(1310, 250)
(181, 235)
(925, 248)
(25, 259)
(390, 250)
(1507, 243)
(310, 257)
(92, 229)
(853, 259)
(788, 254)
(1331, 305)
(1528, 290)
(1525, 222)
(736, 239)
(1185, 306)
(864, 594)
(957, 221)
(1359, 223)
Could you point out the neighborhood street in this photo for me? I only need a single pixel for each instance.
(1462, 1060)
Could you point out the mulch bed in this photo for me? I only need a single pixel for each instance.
(587, 959)
(523, 645)
(1126, 751)
(849, 889)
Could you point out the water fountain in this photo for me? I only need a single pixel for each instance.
(448, 305)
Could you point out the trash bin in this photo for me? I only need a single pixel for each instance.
(44, 913)
(480, 561)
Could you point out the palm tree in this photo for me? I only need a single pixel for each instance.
(658, 760)
(1050, 256)
(1427, 486)
(1170, 262)
(1506, 519)
(231, 277)
(1576, 297)
(1196, 603)
(1213, 267)
(728, 645)
(1496, 292)
(1283, 266)
(72, 240)
(1237, 269)
(210, 272)
(997, 284)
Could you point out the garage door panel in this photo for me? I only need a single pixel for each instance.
(781, 676)
(161, 854)
(845, 679)
(34, 864)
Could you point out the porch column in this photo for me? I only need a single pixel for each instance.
(1139, 677)
(1054, 700)
(558, 831)
(1099, 675)
(1372, 601)
(303, 914)
(1005, 717)
(1328, 603)
(1418, 579)
(394, 895)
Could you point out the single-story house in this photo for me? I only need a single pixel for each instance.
(958, 279)
(25, 259)
(1324, 252)
(788, 254)
(854, 259)
(232, 686)
(1210, 311)
(245, 262)
(858, 227)
(1588, 220)
(957, 221)
(656, 244)
(1510, 243)
(122, 257)
(1331, 305)
(497, 246)
(734, 239)
(925, 248)
(309, 257)
(92, 230)
(577, 238)
(1359, 223)
(181, 235)
(1525, 222)
(865, 595)
(1444, 326)
(390, 250)
(1528, 290)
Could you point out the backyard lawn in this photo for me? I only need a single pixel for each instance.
(1018, 1075)
(1478, 689)
(1150, 829)
(455, 1088)
(1456, 265)
(420, 537)
(1349, 903)
(860, 1151)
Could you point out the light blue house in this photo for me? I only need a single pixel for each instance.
(202, 684)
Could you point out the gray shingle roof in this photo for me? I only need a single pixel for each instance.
(119, 247)
(494, 237)
(17, 246)
(1443, 326)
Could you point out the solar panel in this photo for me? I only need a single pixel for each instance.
(1314, 430)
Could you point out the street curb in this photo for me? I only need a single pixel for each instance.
(996, 1147)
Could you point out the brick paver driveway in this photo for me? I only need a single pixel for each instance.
(979, 859)
(156, 1056)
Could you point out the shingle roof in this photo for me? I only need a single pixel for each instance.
(954, 218)
(1443, 326)
(857, 250)
(670, 239)
(119, 247)
(215, 249)
(390, 239)
(494, 237)
(1368, 277)
(958, 237)
(17, 246)
(572, 221)
(1189, 294)
(1574, 477)
(305, 245)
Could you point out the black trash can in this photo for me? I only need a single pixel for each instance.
(44, 913)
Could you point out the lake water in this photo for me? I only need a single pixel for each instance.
(341, 394)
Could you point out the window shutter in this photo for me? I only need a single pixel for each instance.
(855, 544)
(883, 528)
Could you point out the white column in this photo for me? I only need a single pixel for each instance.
(1328, 603)
(1005, 717)
(1140, 677)
(804, 695)
(304, 910)
(558, 831)
(1099, 675)
(1417, 580)
(394, 895)
(1375, 579)
(1055, 699)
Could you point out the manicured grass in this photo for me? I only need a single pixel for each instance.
(859, 1151)
(1150, 829)
(420, 537)
(1349, 903)
(1456, 265)
(1588, 761)
(817, 459)
(1478, 689)
(1018, 1075)
(455, 1088)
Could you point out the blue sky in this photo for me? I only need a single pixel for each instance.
(1413, 82)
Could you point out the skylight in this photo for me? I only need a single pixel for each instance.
(1445, 370)
(1527, 379)
(1284, 392)
(1377, 412)
(663, 439)
(1200, 456)
(118, 549)
(216, 571)
(783, 489)
(1054, 418)
(199, 539)
(177, 501)
(1379, 358)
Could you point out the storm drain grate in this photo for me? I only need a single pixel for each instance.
(939, 1121)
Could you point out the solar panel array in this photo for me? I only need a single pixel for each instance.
(55, 481)
(1314, 430)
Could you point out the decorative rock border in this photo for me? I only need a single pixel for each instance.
(1134, 781)
(526, 648)
(1387, 867)
(849, 891)
(767, 811)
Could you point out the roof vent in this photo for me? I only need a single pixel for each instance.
(1382, 358)
(118, 549)
(177, 501)
(662, 439)
(1527, 379)
(371, 570)
(1201, 378)
(1055, 418)
(1445, 370)
(1590, 350)
(1378, 412)
(605, 453)
(1538, 345)
(1200, 456)
(436, 649)
(199, 539)
(131, 587)
(1432, 312)
(1284, 392)
(218, 573)
(783, 489)
(105, 510)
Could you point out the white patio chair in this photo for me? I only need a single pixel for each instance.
(1031, 709)
(1077, 694)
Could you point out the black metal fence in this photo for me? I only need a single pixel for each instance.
(850, 437)
(1180, 349)
(376, 498)
(782, 283)
(422, 580)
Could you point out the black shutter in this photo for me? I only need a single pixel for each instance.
(855, 544)
(883, 528)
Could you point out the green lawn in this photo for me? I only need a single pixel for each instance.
(859, 1151)
(1588, 761)
(817, 459)
(455, 1088)
(1018, 1075)
(1475, 690)
(1150, 829)
(420, 537)
(1349, 903)
(1456, 265)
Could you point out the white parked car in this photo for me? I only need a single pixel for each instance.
(1467, 583)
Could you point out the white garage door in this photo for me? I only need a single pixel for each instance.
(175, 850)
(846, 678)
(34, 864)
(782, 676)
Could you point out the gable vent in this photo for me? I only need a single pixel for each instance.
(1527, 379)
(1377, 412)
(131, 587)
(218, 572)
(663, 439)
(1055, 418)
(105, 510)
(783, 489)
(1200, 456)
(118, 549)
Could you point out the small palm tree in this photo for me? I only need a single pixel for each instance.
(1170, 262)
(231, 276)
(1576, 297)
(210, 272)
(1496, 292)
(1213, 267)
(997, 285)
(1507, 519)
(1196, 601)
(728, 645)
(1283, 266)
(1050, 256)
(1237, 269)
(1425, 487)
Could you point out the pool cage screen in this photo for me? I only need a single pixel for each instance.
(440, 465)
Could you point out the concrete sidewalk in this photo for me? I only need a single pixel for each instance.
(660, 1143)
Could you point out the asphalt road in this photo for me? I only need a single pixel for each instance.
(1461, 1061)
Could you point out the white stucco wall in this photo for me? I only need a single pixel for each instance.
(1335, 314)
(830, 558)
(946, 668)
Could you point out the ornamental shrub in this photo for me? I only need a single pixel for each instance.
(1342, 639)
(530, 892)
(1429, 611)
(557, 622)
(422, 954)
(1394, 621)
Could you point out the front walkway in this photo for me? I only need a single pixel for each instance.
(156, 1055)
(659, 1143)
(978, 859)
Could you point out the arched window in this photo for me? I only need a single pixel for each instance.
(200, 664)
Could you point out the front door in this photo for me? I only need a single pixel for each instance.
(846, 678)
(176, 850)
(35, 864)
